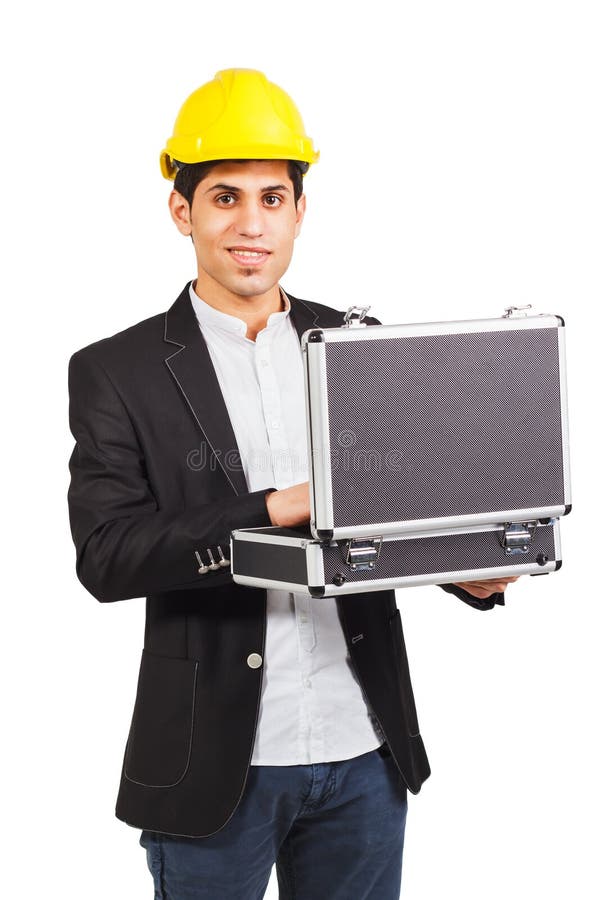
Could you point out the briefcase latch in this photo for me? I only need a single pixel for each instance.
(517, 537)
(354, 316)
(362, 554)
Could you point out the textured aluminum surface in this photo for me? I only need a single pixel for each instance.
(418, 430)
(456, 552)
(436, 558)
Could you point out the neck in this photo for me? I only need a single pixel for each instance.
(253, 310)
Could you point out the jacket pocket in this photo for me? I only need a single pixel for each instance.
(402, 670)
(159, 746)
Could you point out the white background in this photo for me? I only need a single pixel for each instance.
(459, 175)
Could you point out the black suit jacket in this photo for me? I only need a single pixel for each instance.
(156, 476)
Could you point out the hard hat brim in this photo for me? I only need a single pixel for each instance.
(169, 167)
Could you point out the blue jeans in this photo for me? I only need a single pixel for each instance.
(334, 830)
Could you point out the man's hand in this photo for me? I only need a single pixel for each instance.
(487, 587)
(290, 506)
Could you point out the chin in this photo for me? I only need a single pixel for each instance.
(251, 286)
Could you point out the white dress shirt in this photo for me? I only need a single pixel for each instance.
(312, 706)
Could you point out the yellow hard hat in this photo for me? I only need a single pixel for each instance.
(237, 115)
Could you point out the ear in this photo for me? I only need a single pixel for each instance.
(180, 213)
(300, 210)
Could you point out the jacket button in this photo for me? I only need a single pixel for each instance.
(254, 660)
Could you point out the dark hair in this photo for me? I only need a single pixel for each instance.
(189, 176)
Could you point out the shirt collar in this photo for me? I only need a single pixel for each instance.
(213, 318)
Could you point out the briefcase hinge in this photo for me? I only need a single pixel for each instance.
(362, 554)
(354, 316)
(516, 312)
(517, 537)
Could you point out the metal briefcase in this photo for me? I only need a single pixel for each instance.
(438, 453)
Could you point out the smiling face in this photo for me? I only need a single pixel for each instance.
(243, 222)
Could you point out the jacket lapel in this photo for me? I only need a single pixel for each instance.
(191, 367)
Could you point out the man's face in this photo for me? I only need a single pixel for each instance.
(243, 222)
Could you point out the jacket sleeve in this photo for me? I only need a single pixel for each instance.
(476, 602)
(125, 545)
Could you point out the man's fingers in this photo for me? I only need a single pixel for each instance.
(490, 582)
(484, 588)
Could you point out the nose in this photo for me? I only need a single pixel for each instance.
(249, 221)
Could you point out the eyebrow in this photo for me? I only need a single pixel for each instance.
(237, 190)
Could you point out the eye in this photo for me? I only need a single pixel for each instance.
(226, 199)
(273, 200)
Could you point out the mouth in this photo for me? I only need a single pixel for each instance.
(249, 256)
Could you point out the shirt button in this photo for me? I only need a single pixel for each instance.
(264, 362)
(307, 682)
(254, 660)
(275, 424)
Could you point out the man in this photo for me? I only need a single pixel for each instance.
(268, 727)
